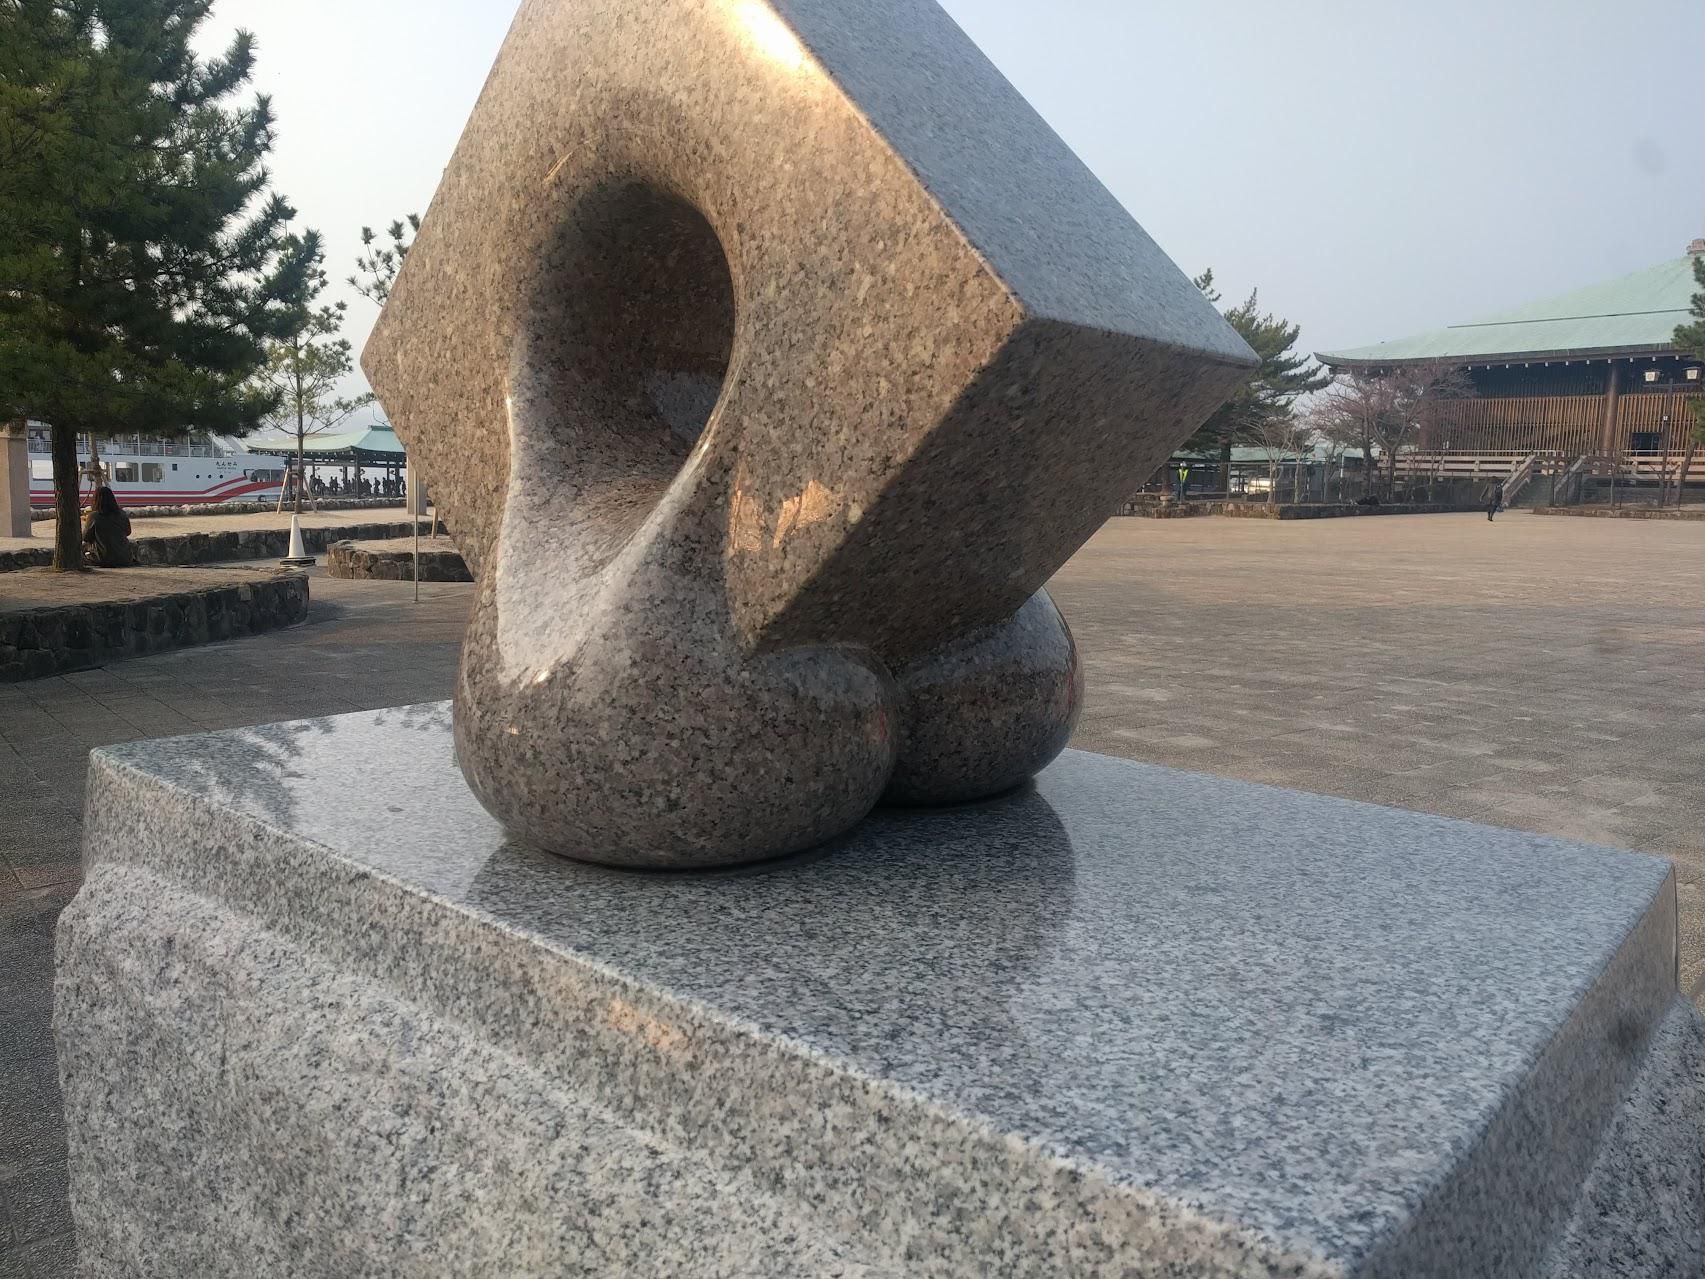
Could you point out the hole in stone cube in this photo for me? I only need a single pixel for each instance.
(627, 344)
(647, 316)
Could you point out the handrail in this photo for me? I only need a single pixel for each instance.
(1568, 488)
(1520, 478)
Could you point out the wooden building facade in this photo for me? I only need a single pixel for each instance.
(1592, 373)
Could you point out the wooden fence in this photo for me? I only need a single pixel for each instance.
(1569, 424)
(1458, 464)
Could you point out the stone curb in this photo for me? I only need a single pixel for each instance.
(38, 642)
(230, 544)
(356, 560)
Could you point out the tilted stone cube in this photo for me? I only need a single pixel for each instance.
(768, 358)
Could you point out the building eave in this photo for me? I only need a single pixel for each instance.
(1581, 356)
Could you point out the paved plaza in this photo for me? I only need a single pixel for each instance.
(1535, 673)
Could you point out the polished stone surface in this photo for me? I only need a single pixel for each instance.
(767, 356)
(313, 1005)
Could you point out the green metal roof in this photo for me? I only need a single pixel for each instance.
(1632, 316)
(375, 444)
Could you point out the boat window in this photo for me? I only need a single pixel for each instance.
(124, 472)
(41, 470)
(152, 473)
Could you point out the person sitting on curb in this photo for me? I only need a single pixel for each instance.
(106, 535)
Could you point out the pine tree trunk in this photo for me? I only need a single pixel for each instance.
(67, 519)
(1681, 475)
(1225, 467)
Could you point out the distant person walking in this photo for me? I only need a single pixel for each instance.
(1495, 503)
(106, 535)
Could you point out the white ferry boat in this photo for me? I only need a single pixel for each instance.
(187, 470)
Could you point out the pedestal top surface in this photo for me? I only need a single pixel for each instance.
(1290, 1010)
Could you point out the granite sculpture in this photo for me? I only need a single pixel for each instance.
(768, 356)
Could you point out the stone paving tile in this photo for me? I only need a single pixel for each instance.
(54, 1258)
(36, 1204)
(32, 1135)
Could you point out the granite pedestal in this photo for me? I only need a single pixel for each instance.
(317, 1017)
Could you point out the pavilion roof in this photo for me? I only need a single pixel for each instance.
(1634, 315)
(374, 444)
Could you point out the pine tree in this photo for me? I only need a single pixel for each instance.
(1691, 339)
(1254, 412)
(305, 367)
(143, 261)
(377, 264)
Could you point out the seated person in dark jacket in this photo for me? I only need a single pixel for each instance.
(106, 536)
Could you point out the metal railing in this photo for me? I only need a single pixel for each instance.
(1520, 478)
(135, 446)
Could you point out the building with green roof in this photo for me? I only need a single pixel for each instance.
(1593, 371)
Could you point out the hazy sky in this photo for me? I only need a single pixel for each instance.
(1374, 166)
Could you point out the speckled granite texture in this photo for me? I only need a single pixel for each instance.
(317, 1016)
(768, 356)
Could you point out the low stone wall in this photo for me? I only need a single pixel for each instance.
(1625, 512)
(1149, 508)
(393, 561)
(39, 642)
(229, 544)
(1286, 510)
(244, 508)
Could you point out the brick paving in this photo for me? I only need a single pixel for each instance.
(1535, 673)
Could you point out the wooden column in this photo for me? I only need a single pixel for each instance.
(1612, 391)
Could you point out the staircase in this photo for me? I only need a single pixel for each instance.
(1521, 477)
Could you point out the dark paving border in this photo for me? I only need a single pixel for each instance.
(1625, 512)
(38, 642)
(1289, 510)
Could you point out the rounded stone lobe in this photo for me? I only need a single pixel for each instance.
(986, 712)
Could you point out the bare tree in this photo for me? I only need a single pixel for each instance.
(1420, 393)
(1278, 436)
(1346, 414)
(1392, 411)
